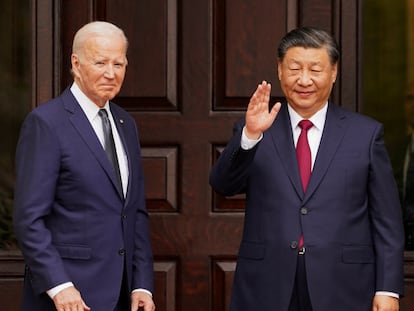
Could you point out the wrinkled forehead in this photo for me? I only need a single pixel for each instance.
(113, 46)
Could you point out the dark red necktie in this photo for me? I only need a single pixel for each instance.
(304, 157)
(303, 153)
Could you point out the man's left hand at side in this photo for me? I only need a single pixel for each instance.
(385, 303)
(141, 301)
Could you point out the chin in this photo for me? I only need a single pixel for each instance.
(108, 96)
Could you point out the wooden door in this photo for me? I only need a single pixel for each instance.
(193, 65)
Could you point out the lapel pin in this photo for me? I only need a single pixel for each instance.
(121, 121)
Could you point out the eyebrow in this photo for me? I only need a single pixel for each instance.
(293, 60)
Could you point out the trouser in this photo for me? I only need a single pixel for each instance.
(300, 300)
(124, 300)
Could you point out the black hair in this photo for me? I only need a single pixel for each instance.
(308, 37)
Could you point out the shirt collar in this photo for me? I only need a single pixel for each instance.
(89, 107)
(318, 119)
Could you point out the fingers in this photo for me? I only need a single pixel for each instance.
(149, 307)
(143, 306)
(142, 301)
(69, 299)
(264, 92)
(385, 303)
(275, 110)
(261, 96)
(85, 307)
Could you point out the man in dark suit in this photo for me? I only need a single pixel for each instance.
(331, 241)
(82, 228)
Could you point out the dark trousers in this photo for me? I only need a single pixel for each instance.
(300, 300)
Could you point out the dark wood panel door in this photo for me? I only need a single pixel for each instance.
(192, 68)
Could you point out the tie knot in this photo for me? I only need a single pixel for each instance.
(103, 113)
(305, 125)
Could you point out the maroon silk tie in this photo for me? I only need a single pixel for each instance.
(303, 155)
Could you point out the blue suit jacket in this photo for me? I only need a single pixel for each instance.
(350, 216)
(71, 220)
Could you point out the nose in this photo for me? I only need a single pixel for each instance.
(305, 78)
(109, 71)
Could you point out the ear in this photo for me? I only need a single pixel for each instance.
(334, 72)
(75, 64)
(279, 69)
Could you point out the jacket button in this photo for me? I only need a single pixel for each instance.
(303, 210)
(124, 216)
(294, 245)
(121, 252)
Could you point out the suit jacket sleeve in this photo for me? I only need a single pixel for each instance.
(37, 170)
(229, 175)
(386, 219)
(143, 258)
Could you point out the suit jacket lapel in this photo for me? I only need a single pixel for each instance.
(119, 123)
(281, 132)
(85, 130)
(333, 133)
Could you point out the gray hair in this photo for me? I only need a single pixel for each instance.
(99, 28)
(308, 37)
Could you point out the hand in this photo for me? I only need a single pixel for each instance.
(141, 301)
(385, 303)
(69, 299)
(258, 117)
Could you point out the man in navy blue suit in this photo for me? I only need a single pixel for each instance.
(336, 242)
(83, 229)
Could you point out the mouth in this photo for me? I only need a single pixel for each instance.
(304, 93)
(107, 86)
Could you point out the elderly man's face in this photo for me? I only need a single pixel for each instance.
(100, 69)
(307, 77)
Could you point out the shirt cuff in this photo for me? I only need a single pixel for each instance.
(390, 294)
(54, 290)
(247, 143)
(142, 290)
